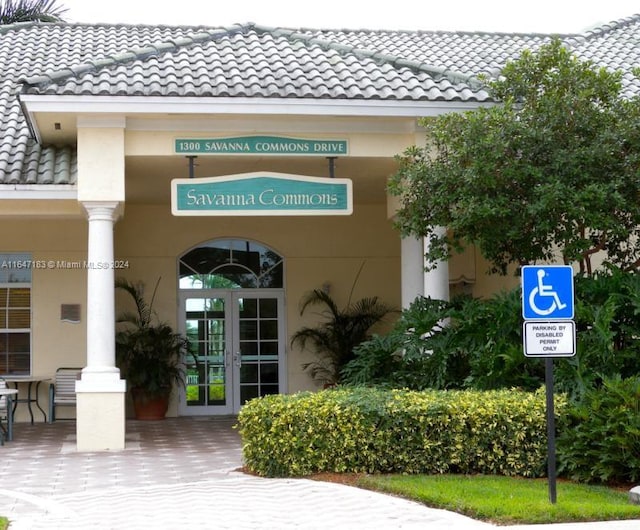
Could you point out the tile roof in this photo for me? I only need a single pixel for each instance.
(463, 52)
(253, 61)
(615, 46)
(29, 49)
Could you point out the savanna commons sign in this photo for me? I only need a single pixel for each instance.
(261, 145)
(262, 193)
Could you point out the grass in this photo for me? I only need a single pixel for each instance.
(506, 500)
(4, 523)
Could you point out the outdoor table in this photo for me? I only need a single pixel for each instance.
(8, 393)
(31, 397)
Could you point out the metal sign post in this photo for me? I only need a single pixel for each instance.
(551, 430)
(548, 332)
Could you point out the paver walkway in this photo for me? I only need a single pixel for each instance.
(178, 473)
(182, 473)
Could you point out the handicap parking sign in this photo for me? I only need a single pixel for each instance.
(547, 292)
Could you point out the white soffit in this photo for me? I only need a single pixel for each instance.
(129, 105)
(38, 191)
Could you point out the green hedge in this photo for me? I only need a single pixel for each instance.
(400, 431)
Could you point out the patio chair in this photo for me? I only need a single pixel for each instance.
(62, 392)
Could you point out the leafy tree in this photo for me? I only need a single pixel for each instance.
(12, 11)
(553, 168)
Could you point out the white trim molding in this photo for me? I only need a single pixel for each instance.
(132, 105)
(38, 191)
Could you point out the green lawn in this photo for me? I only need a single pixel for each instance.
(505, 500)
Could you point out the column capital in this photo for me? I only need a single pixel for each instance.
(102, 210)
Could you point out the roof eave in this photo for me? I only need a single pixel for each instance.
(39, 191)
(184, 106)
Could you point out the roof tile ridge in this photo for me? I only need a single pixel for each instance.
(424, 31)
(134, 54)
(393, 60)
(603, 29)
(472, 80)
(480, 33)
(295, 34)
(17, 26)
(6, 28)
(140, 25)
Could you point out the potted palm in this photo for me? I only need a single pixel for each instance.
(149, 353)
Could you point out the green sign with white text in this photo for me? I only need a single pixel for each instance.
(261, 145)
(262, 193)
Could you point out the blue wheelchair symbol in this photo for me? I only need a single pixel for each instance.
(547, 292)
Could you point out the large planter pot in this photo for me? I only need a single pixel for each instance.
(149, 408)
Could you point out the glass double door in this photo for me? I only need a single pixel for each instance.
(236, 343)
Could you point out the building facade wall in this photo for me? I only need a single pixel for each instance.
(148, 241)
(317, 251)
(58, 251)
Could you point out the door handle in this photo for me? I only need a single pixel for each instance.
(237, 359)
(227, 363)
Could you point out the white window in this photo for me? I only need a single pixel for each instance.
(15, 314)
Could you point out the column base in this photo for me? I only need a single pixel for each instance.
(100, 416)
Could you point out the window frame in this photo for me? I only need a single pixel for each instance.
(19, 262)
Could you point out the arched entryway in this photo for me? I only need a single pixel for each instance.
(231, 295)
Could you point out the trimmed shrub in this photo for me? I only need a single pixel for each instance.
(599, 437)
(396, 431)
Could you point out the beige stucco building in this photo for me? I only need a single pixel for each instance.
(99, 120)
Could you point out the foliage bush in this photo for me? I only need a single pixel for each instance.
(608, 324)
(481, 348)
(383, 431)
(481, 345)
(414, 354)
(489, 334)
(599, 438)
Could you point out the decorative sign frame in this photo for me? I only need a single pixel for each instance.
(261, 193)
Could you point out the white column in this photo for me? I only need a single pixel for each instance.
(436, 280)
(411, 269)
(101, 360)
(100, 392)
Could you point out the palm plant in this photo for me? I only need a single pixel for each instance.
(334, 340)
(13, 11)
(149, 353)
